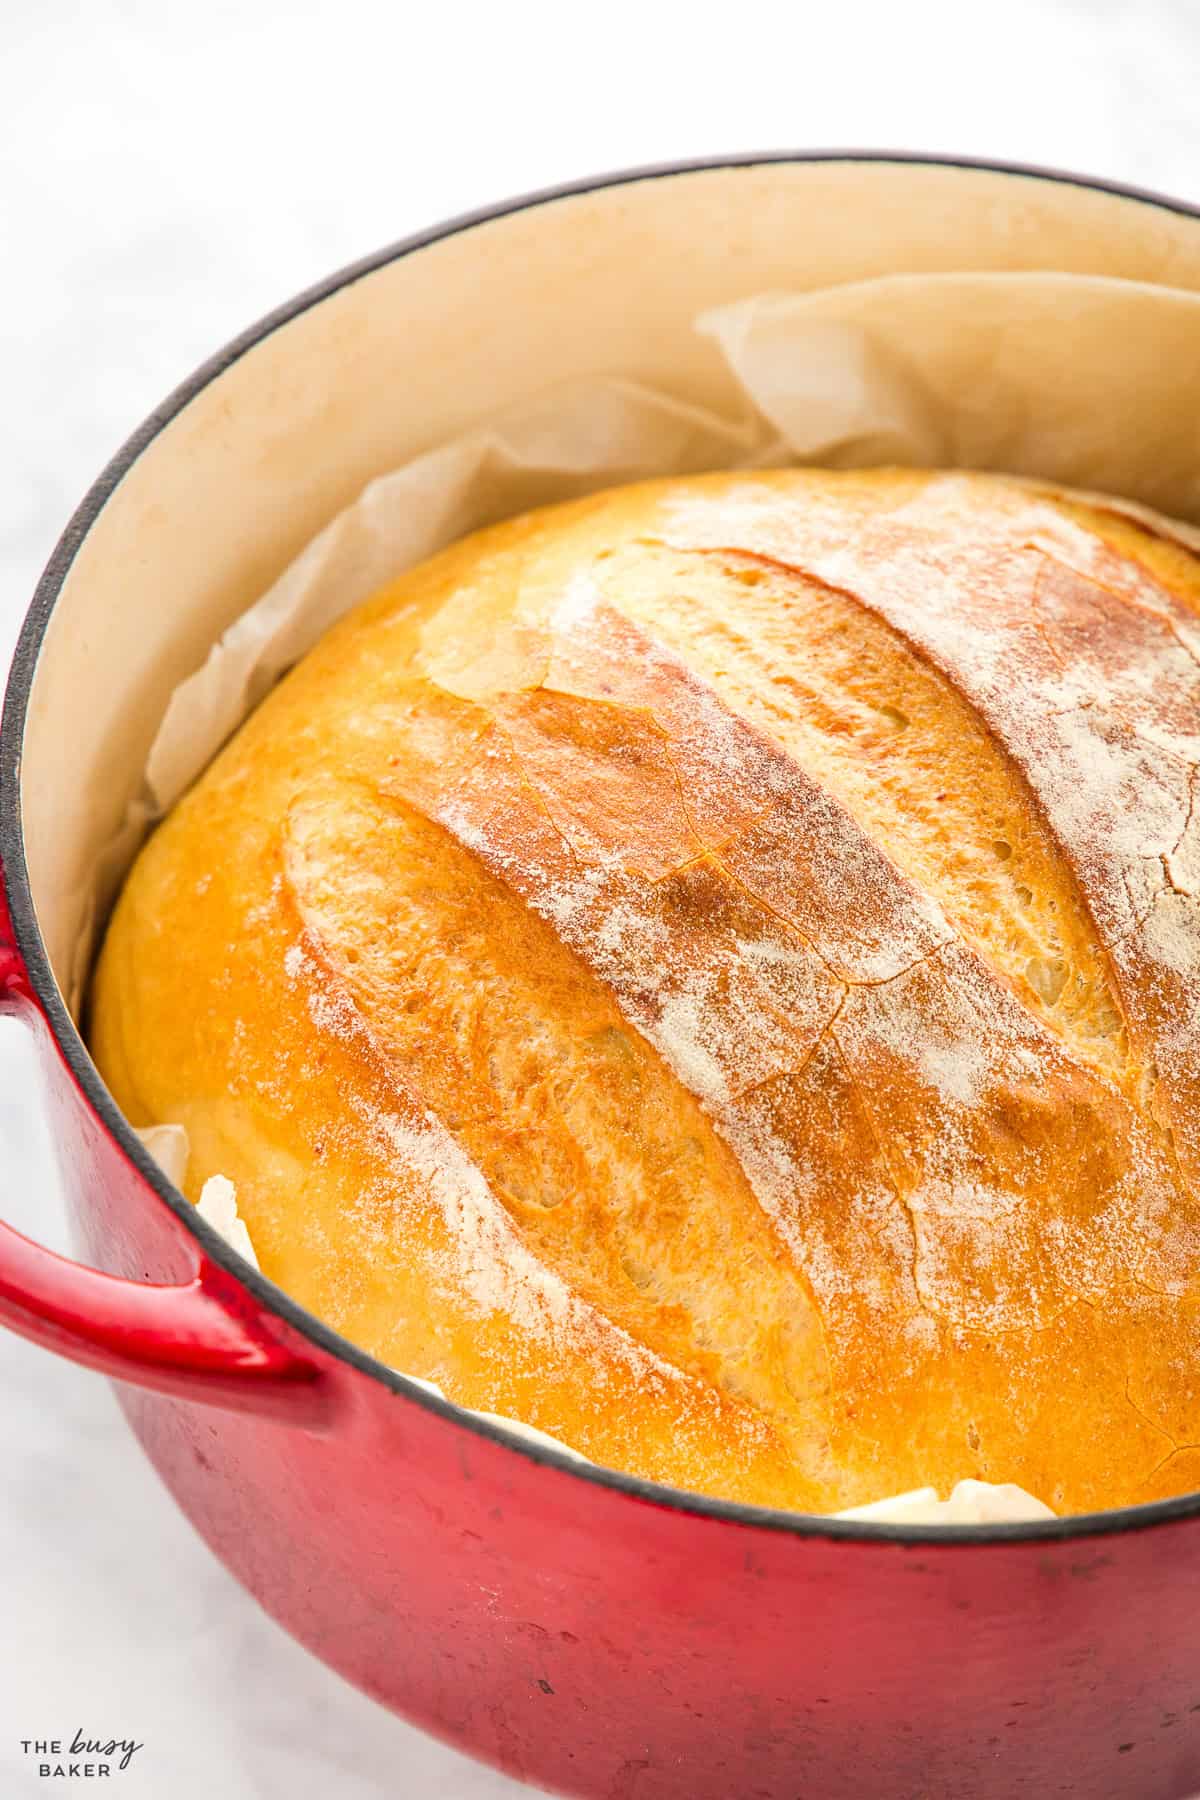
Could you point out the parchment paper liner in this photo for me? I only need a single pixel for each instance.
(1069, 381)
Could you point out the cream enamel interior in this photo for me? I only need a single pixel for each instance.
(403, 357)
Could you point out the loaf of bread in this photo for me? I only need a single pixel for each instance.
(712, 971)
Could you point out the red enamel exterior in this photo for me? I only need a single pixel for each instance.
(588, 1633)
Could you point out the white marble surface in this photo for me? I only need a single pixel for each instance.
(166, 174)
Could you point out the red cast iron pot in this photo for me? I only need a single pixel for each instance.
(587, 1631)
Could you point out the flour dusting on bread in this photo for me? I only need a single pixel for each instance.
(714, 971)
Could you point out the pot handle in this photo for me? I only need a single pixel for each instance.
(196, 1340)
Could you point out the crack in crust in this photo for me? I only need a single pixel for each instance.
(1136, 726)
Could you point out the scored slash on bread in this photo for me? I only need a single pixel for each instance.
(712, 971)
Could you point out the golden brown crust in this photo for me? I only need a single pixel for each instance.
(712, 971)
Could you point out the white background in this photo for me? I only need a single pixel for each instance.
(167, 173)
